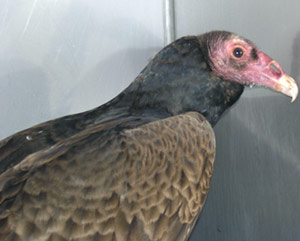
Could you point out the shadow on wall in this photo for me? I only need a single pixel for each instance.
(255, 188)
(81, 38)
(296, 58)
(24, 96)
(108, 78)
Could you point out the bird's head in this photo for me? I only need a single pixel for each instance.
(237, 59)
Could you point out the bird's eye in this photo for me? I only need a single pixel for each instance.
(238, 52)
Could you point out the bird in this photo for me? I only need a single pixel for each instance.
(139, 166)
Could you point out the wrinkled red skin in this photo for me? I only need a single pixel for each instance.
(253, 68)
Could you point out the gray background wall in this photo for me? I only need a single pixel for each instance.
(59, 57)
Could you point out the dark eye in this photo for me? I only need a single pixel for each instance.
(238, 52)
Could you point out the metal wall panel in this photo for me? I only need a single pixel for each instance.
(67, 56)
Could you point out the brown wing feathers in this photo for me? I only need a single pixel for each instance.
(146, 183)
(173, 176)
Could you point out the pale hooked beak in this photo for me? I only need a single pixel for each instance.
(288, 86)
(278, 80)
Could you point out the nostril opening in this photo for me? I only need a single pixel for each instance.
(272, 66)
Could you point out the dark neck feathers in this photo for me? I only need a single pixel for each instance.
(178, 79)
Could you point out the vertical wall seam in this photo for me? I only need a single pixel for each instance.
(169, 21)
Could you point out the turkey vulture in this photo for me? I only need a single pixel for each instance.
(139, 166)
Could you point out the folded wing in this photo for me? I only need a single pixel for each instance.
(107, 183)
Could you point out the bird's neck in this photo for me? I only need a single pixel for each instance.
(176, 81)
